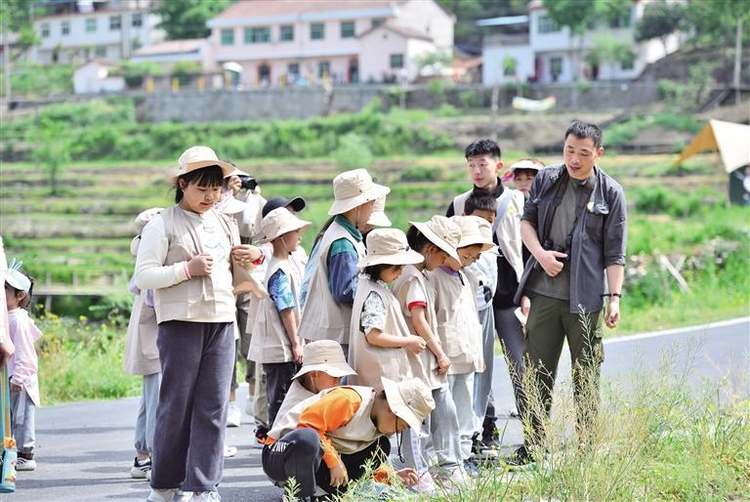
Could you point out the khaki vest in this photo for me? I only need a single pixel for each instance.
(458, 322)
(269, 342)
(323, 318)
(507, 228)
(358, 433)
(295, 395)
(400, 288)
(141, 352)
(372, 362)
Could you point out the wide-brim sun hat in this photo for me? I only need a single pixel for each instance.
(410, 400)
(326, 356)
(230, 205)
(354, 188)
(388, 246)
(296, 203)
(279, 222)
(474, 230)
(198, 157)
(378, 218)
(442, 232)
(521, 164)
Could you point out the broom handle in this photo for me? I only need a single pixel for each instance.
(5, 397)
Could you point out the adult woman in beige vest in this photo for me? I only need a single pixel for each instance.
(191, 257)
(327, 440)
(327, 311)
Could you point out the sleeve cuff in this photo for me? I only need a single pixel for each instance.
(416, 304)
(179, 271)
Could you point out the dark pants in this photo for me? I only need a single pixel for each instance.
(196, 365)
(278, 380)
(550, 323)
(299, 455)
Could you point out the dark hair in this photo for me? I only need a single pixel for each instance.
(322, 231)
(24, 304)
(374, 271)
(211, 176)
(483, 147)
(480, 200)
(584, 130)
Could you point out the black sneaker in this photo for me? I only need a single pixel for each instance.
(519, 458)
(140, 468)
(476, 445)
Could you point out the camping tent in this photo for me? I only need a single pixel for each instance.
(730, 139)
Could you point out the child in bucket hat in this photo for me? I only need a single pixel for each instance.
(275, 343)
(326, 441)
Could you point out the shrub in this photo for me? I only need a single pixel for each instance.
(353, 152)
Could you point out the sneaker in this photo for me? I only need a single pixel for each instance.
(212, 496)
(234, 415)
(259, 438)
(452, 480)
(25, 464)
(161, 495)
(141, 468)
(230, 451)
(180, 496)
(519, 459)
(148, 476)
(471, 468)
(426, 485)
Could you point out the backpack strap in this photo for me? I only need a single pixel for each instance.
(502, 206)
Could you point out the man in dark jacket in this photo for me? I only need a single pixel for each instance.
(574, 225)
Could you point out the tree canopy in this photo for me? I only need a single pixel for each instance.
(187, 18)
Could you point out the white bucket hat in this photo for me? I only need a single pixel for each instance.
(388, 246)
(354, 188)
(474, 230)
(15, 278)
(410, 400)
(198, 157)
(326, 356)
(378, 218)
(140, 222)
(442, 232)
(279, 222)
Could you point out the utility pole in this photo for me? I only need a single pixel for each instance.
(6, 60)
(737, 60)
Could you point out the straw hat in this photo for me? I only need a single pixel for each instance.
(378, 218)
(296, 203)
(442, 232)
(326, 356)
(140, 222)
(279, 222)
(354, 188)
(198, 157)
(410, 400)
(474, 230)
(15, 278)
(388, 246)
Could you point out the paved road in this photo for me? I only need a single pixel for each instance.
(85, 450)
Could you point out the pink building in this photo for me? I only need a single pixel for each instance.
(278, 42)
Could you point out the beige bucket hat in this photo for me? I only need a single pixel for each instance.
(354, 188)
(442, 232)
(388, 246)
(410, 400)
(474, 230)
(140, 223)
(278, 222)
(326, 356)
(198, 157)
(378, 218)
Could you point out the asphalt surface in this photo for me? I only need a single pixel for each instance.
(85, 450)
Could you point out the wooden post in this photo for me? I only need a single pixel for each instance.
(175, 85)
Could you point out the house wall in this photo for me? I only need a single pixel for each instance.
(492, 69)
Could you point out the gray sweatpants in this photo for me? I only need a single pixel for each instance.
(196, 364)
(145, 424)
(23, 419)
(483, 379)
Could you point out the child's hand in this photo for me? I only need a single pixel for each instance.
(245, 254)
(339, 476)
(443, 364)
(201, 265)
(234, 184)
(415, 344)
(409, 477)
(297, 353)
(15, 388)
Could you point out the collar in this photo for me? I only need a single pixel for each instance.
(497, 192)
(349, 226)
(449, 271)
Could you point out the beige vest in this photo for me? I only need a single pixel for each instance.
(323, 318)
(295, 395)
(400, 288)
(372, 362)
(507, 228)
(141, 353)
(458, 322)
(358, 433)
(269, 342)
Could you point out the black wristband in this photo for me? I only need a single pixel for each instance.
(610, 295)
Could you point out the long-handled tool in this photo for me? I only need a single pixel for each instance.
(10, 453)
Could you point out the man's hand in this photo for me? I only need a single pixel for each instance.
(234, 184)
(613, 312)
(7, 349)
(339, 476)
(525, 305)
(548, 260)
(409, 477)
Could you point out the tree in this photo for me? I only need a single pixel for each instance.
(608, 50)
(187, 18)
(713, 23)
(660, 19)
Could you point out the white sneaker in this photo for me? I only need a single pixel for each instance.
(212, 496)
(180, 496)
(141, 468)
(161, 495)
(24, 464)
(250, 407)
(230, 451)
(234, 415)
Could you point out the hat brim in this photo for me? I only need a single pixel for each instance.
(300, 225)
(436, 239)
(473, 241)
(134, 245)
(233, 206)
(236, 172)
(17, 280)
(174, 173)
(404, 258)
(296, 203)
(379, 219)
(398, 406)
(336, 370)
(343, 205)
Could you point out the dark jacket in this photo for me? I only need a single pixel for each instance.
(599, 235)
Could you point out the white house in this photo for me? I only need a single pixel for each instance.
(94, 78)
(78, 30)
(542, 51)
(197, 50)
(347, 41)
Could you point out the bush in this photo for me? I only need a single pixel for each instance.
(353, 152)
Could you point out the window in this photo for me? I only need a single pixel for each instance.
(324, 68)
(628, 64)
(621, 21)
(257, 35)
(293, 70)
(91, 25)
(45, 30)
(286, 33)
(377, 21)
(397, 61)
(555, 68)
(347, 29)
(65, 28)
(137, 20)
(547, 25)
(227, 37)
(317, 31)
(115, 22)
(100, 51)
